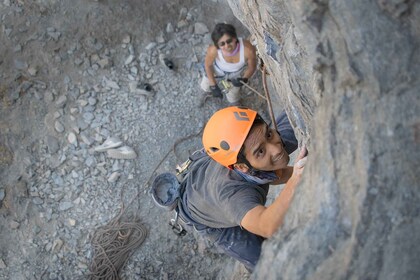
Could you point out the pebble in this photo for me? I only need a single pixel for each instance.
(169, 28)
(58, 127)
(182, 23)
(2, 264)
(63, 206)
(114, 177)
(61, 101)
(104, 62)
(111, 84)
(58, 243)
(151, 46)
(32, 71)
(90, 161)
(92, 101)
(20, 65)
(129, 59)
(88, 116)
(71, 137)
(14, 225)
(126, 39)
(72, 222)
(82, 102)
(37, 200)
(200, 28)
(48, 96)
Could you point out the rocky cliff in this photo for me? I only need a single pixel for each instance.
(347, 73)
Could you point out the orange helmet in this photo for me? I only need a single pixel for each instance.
(225, 133)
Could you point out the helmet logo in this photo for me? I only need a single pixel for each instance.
(241, 116)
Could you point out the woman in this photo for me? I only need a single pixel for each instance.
(230, 58)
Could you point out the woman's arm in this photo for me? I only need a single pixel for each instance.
(208, 64)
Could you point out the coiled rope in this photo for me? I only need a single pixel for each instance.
(112, 245)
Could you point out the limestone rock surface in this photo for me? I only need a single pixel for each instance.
(347, 73)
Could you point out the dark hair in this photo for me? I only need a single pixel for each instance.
(221, 29)
(241, 156)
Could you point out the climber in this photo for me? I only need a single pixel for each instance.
(231, 60)
(225, 190)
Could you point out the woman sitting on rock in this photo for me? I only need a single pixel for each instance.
(231, 59)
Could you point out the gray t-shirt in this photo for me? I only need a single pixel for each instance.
(218, 197)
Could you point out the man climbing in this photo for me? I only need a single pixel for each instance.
(229, 59)
(224, 192)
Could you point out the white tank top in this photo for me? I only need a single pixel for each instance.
(231, 67)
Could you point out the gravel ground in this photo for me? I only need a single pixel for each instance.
(72, 76)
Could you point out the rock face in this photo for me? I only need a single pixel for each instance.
(347, 73)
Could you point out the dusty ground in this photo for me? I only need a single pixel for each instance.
(70, 72)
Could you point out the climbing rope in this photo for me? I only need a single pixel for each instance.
(268, 98)
(112, 246)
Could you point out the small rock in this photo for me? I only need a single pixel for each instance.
(86, 139)
(58, 243)
(14, 225)
(160, 38)
(111, 84)
(72, 138)
(88, 116)
(37, 200)
(78, 61)
(57, 114)
(17, 48)
(58, 127)
(82, 102)
(2, 264)
(129, 59)
(183, 13)
(169, 28)
(65, 205)
(72, 222)
(52, 144)
(48, 96)
(90, 161)
(32, 71)
(114, 177)
(104, 62)
(92, 101)
(200, 28)
(2, 195)
(126, 39)
(151, 46)
(61, 101)
(182, 23)
(20, 65)
(134, 70)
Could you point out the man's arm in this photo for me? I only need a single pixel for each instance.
(208, 64)
(251, 59)
(265, 221)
